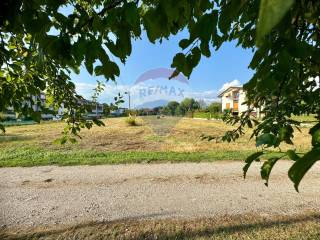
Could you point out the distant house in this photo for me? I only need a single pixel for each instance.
(9, 113)
(95, 110)
(233, 99)
(118, 112)
(37, 103)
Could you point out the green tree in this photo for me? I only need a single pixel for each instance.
(189, 105)
(40, 45)
(202, 104)
(106, 109)
(172, 107)
(214, 107)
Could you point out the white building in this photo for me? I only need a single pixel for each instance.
(119, 112)
(39, 103)
(233, 99)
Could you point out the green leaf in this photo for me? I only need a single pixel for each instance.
(179, 60)
(132, 17)
(181, 64)
(184, 43)
(36, 116)
(316, 138)
(89, 65)
(196, 56)
(205, 50)
(207, 25)
(302, 165)
(73, 140)
(98, 122)
(267, 168)
(174, 74)
(267, 139)
(61, 140)
(270, 14)
(315, 133)
(285, 134)
(108, 69)
(257, 58)
(292, 155)
(314, 128)
(249, 160)
(155, 24)
(228, 13)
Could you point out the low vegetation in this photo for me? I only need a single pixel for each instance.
(207, 115)
(131, 121)
(225, 228)
(153, 140)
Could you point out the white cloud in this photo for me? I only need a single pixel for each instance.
(112, 89)
(233, 83)
(208, 96)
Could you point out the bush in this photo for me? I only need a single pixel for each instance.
(131, 121)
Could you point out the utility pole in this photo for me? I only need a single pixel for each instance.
(128, 92)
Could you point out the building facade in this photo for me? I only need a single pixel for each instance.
(233, 99)
(39, 103)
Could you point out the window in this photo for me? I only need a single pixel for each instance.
(235, 106)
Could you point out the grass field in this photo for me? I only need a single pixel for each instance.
(301, 227)
(165, 139)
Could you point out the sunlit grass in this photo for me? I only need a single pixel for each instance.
(34, 156)
(240, 227)
(153, 140)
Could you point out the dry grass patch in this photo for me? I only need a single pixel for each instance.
(165, 134)
(228, 227)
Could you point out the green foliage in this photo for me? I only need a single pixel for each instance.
(214, 107)
(271, 12)
(315, 133)
(249, 160)
(302, 165)
(267, 139)
(188, 105)
(267, 167)
(171, 108)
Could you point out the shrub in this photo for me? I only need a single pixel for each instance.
(131, 121)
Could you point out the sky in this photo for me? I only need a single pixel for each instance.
(226, 67)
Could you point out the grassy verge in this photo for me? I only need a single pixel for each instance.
(33, 156)
(237, 227)
(207, 115)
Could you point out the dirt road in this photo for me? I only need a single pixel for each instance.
(41, 196)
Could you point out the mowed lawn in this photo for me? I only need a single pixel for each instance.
(153, 140)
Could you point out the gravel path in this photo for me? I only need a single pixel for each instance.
(41, 196)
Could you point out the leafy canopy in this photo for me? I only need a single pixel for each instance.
(40, 44)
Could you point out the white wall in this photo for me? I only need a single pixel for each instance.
(225, 100)
(242, 99)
